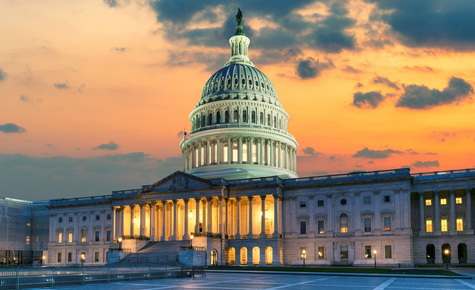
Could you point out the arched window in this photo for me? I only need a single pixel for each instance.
(213, 258)
(210, 119)
(462, 253)
(256, 255)
(231, 256)
(203, 120)
(343, 223)
(243, 254)
(244, 116)
(269, 255)
(235, 116)
(261, 118)
(430, 253)
(275, 122)
(253, 117)
(268, 119)
(226, 116)
(446, 253)
(218, 117)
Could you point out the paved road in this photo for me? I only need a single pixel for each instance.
(265, 281)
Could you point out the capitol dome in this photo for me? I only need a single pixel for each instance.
(238, 127)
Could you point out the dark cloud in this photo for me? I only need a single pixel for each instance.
(419, 68)
(369, 100)
(311, 68)
(3, 75)
(109, 146)
(35, 178)
(432, 23)
(310, 151)
(421, 97)
(385, 81)
(425, 164)
(411, 151)
(62, 86)
(330, 35)
(11, 128)
(111, 3)
(375, 154)
(351, 69)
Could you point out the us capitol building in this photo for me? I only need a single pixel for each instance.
(239, 200)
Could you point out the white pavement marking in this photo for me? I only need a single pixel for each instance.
(301, 283)
(465, 283)
(385, 284)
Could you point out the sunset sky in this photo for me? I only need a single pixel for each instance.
(95, 94)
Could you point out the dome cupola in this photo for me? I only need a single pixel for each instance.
(239, 128)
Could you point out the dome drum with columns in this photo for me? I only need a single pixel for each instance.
(239, 128)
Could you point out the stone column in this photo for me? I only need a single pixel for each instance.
(452, 217)
(197, 218)
(249, 151)
(174, 222)
(142, 219)
(153, 220)
(114, 224)
(436, 213)
(468, 215)
(208, 153)
(263, 216)
(220, 150)
(226, 218)
(186, 234)
(249, 235)
(230, 150)
(164, 221)
(421, 214)
(132, 222)
(238, 218)
(209, 215)
(120, 222)
(240, 150)
(276, 217)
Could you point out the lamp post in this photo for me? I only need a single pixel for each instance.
(83, 259)
(120, 243)
(374, 252)
(447, 252)
(303, 256)
(191, 241)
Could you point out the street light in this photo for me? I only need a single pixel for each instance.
(191, 241)
(120, 243)
(374, 252)
(43, 260)
(83, 259)
(303, 256)
(447, 252)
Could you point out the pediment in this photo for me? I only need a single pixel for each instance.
(179, 181)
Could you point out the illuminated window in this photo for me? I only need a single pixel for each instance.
(458, 200)
(84, 234)
(321, 227)
(429, 226)
(444, 225)
(387, 223)
(343, 223)
(459, 224)
(70, 237)
(321, 253)
(443, 201)
(60, 237)
(367, 252)
(27, 240)
(244, 153)
(428, 202)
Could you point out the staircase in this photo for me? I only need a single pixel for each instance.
(156, 252)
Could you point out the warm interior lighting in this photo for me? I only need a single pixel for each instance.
(135, 220)
(120, 239)
(190, 215)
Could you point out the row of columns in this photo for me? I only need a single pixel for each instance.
(452, 213)
(156, 224)
(268, 152)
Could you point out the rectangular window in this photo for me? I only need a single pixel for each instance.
(70, 219)
(320, 227)
(321, 253)
(388, 252)
(367, 252)
(444, 226)
(70, 237)
(60, 220)
(109, 217)
(96, 236)
(320, 202)
(96, 256)
(367, 200)
(303, 204)
(387, 198)
(70, 257)
(303, 228)
(429, 226)
(108, 236)
(343, 252)
(83, 235)
(428, 202)
(60, 237)
(367, 225)
(59, 257)
(458, 200)
(387, 223)
(459, 224)
(443, 201)
(98, 217)
(27, 240)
